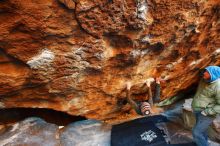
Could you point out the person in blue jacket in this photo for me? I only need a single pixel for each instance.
(206, 103)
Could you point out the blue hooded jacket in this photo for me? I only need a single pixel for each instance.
(214, 72)
(207, 97)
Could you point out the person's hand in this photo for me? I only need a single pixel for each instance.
(149, 81)
(203, 113)
(158, 80)
(128, 85)
(148, 84)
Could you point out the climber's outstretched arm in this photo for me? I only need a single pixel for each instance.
(150, 100)
(157, 93)
(157, 90)
(130, 100)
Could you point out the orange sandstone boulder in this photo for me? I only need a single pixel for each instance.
(76, 56)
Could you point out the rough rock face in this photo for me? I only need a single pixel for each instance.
(76, 55)
(87, 132)
(36, 132)
(31, 131)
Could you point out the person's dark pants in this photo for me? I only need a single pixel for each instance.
(200, 129)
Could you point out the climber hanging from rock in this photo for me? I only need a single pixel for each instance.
(144, 107)
(147, 130)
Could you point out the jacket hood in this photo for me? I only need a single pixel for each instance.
(214, 72)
